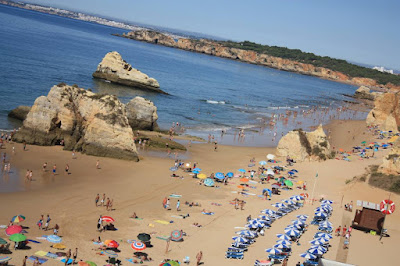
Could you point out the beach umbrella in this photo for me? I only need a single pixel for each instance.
(13, 229)
(270, 156)
(280, 246)
(90, 263)
(320, 214)
(317, 242)
(321, 209)
(302, 216)
(295, 226)
(298, 222)
(322, 239)
(202, 176)
(327, 206)
(323, 249)
(229, 174)
(305, 195)
(267, 190)
(324, 235)
(285, 242)
(219, 175)
(288, 201)
(209, 182)
(262, 163)
(315, 251)
(244, 180)
(292, 232)
(257, 223)
(268, 211)
(170, 263)
(2, 241)
(4, 259)
(195, 172)
(294, 170)
(278, 205)
(325, 224)
(247, 233)
(251, 226)
(291, 173)
(18, 218)
(288, 183)
(138, 245)
(110, 253)
(275, 186)
(107, 219)
(176, 235)
(274, 251)
(283, 237)
(59, 246)
(144, 237)
(264, 217)
(240, 239)
(173, 169)
(197, 169)
(111, 243)
(54, 239)
(242, 170)
(308, 256)
(270, 172)
(18, 237)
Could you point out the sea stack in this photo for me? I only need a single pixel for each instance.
(386, 112)
(113, 68)
(142, 114)
(82, 120)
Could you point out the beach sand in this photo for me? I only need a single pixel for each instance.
(140, 187)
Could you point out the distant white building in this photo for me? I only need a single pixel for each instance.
(382, 69)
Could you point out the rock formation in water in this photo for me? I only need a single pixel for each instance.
(300, 145)
(364, 92)
(391, 162)
(20, 112)
(91, 123)
(386, 113)
(113, 68)
(217, 49)
(142, 114)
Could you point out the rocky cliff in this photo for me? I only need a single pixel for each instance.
(386, 112)
(391, 163)
(300, 145)
(364, 92)
(113, 68)
(91, 123)
(142, 114)
(216, 49)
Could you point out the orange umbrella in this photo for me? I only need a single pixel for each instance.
(240, 186)
(111, 243)
(244, 180)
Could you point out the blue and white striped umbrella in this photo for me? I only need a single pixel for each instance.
(308, 256)
(278, 205)
(320, 209)
(294, 226)
(327, 206)
(209, 182)
(320, 214)
(240, 239)
(283, 237)
(262, 163)
(324, 235)
(236, 244)
(219, 175)
(252, 226)
(265, 217)
(280, 246)
(54, 239)
(289, 202)
(325, 224)
(284, 242)
(317, 242)
(274, 251)
(291, 173)
(247, 233)
(302, 217)
(323, 249)
(268, 211)
(326, 202)
(315, 251)
(292, 232)
(322, 239)
(296, 198)
(299, 222)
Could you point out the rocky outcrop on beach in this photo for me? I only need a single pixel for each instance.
(91, 123)
(20, 112)
(113, 68)
(391, 162)
(217, 49)
(301, 146)
(386, 112)
(365, 93)
(142, 114)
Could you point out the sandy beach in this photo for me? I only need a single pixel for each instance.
(140, 188)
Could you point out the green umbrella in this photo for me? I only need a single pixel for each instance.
(91, 263)
(170, 263)
(17, 237)
(2, 241)
(288, 183)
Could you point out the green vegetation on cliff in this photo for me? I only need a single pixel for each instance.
(339, 65)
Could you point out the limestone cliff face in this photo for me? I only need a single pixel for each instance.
(142, 114)
(364, 92)
(391, 163)
(216, 49)
(301, 146)
(87, 122)
(113, 68)
(386, 113)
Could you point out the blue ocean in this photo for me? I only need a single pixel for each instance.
(206, 94)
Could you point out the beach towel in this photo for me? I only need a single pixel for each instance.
(151, 225)
(175, 196)
(161, 222)
(41, 260)
(41, 253)
(216, 204)
(208, 213)
(33, 241)
(131, 261)
(51, 255)
(176, 216)
(97, 243)
(163, 237)
(41, 238)
(69, 261)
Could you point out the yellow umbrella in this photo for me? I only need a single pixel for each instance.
(202, 176)
(300, 182)
(393, 139)
(59, 246)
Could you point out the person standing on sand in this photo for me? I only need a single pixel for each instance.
(107, 203)
(44, 167)
(46, 226)
(215, 146)
(100, 223)
(199, 256)
(167, 205)
(96, 200)
(344, 230)
(24, 146)
(54, 169)
(30, 175)
(73, 154)
(56, 228)
(178, 204)
(97, 164)
(103, 199)
(24, 261)
(164, 203)
(68, 256)
(75, 255)
(67, 169)
(242, 205)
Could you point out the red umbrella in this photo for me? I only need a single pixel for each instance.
(107, 219)
(13, 229)
(111, 243)
(137, 245)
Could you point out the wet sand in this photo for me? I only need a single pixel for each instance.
(141, 187)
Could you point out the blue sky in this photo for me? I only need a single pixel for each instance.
(361, 31)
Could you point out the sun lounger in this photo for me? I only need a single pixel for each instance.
(279, 258)
(234, 249)
(263, 263)
(234, 255)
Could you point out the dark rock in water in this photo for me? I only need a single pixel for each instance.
(20, 112)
